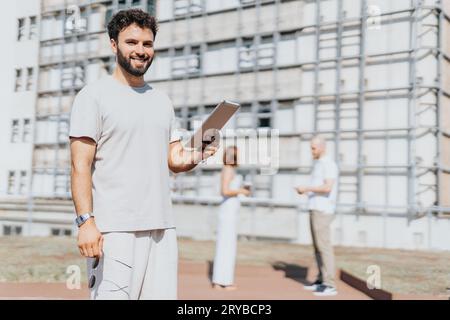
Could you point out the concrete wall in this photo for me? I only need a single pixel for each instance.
(428, 233)
(41, 225)
(16, 105)
(225, 25)
(199, 222)
(7, 22)
(445, 113)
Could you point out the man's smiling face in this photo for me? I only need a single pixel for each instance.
(134, 49)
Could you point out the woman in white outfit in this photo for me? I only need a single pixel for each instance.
(231, 188)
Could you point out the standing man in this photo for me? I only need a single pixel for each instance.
(322, 195)
(123, 143)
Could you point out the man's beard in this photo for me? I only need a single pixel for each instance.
(126, 65)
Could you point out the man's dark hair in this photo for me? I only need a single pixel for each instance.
(125, 18)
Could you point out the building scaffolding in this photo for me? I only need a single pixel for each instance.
(256, 56)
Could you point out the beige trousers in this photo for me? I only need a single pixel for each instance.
(320, 230)
(135, 265)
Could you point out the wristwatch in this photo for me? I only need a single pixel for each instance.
(82, 218)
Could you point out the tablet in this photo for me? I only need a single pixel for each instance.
(209, 130)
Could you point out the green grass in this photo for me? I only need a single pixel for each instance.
(39, 259)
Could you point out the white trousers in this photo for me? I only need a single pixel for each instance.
(135, 265)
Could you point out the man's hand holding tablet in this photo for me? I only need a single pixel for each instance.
(205, 141)
(209, 131)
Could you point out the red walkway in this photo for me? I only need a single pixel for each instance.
(254, 283)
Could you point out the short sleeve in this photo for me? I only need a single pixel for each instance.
(331, 170)
(85, 117)
(175, 129)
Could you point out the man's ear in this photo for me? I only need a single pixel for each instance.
(113, 46)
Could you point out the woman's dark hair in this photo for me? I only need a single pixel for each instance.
(230, 156)
(125, 18)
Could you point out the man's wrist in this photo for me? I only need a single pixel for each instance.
(83, 218)
(89, 222)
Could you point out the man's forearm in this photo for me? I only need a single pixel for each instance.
(320, 189)
(82, 190)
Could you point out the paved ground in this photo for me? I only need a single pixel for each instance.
(406, 274)
(254, 283)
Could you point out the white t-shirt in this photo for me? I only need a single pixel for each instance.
(133, 128)
(323, 169)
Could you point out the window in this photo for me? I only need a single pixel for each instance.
(18, 135)
(220, 57)
(264, 115)
(61, 232)
(178, 63)
(6, 230)
(26, 134)
(180, 119)
(162, 67)
(23, 183)
(287, 51)
(62, 185)
(151, 7)
(247, 2)
(193, 118)
(251, 54)
(108, 15)
(122, 4)
(12, 230)
(75, 21)
(193, 61)
(17, 230)
(63, 132)
(15, 131)
(30, 79)
(109, 66)
(73, 77)
(266, 51)
(186, 7)
(244, 118)
(11, 182)
(18, 86)
(79, 75)
(33, 28)
(247, 54)
(21, 29)
(284, 118)
(186, 64)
